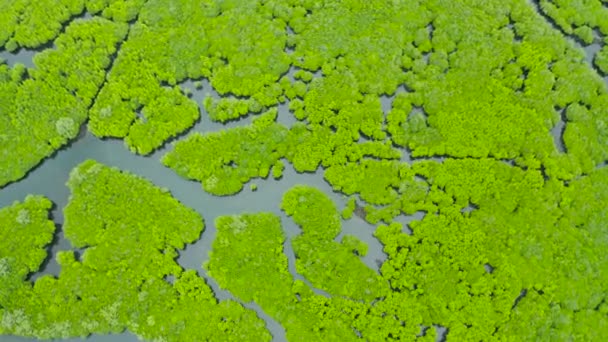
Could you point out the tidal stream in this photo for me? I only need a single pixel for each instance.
(50, 176)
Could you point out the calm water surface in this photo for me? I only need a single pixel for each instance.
(50, 177)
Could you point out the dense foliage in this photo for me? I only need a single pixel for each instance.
(26, 231)
(481, 117)
(578, 18)
(247, 152)
(130, 231)
(250, 245)
(41, 109)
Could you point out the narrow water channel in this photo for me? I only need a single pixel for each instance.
(50, 177)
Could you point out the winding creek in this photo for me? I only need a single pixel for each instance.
(50, 176)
